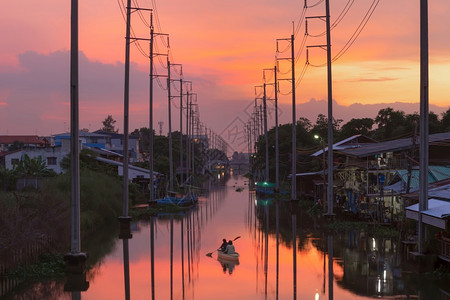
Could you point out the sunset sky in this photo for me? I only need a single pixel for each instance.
(223, 47)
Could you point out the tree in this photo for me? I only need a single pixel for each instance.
(434, 124)
(357, 126)
(445, 121)
(391, 124)
(108, 124)
(321, 127)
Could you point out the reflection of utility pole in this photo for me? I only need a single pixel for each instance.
(330, 267)
(294, 254)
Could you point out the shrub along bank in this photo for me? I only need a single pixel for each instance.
(40, 219)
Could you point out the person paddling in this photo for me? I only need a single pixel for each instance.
(230, 248)
(224, 245)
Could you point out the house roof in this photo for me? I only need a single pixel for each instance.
(439, 189)
(435, 173)
(355, 141)
(26, 139)
(440, 139)
(435, 215)
(120, 164)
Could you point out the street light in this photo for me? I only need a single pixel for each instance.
(323, 169)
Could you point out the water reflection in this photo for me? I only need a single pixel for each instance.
(284, 254)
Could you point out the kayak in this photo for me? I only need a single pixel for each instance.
(230, 257)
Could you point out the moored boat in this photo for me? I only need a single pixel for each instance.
(265, 188)
(225, 256)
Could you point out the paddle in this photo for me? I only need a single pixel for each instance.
(210, 253)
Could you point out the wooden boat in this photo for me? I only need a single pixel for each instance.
(228, 257)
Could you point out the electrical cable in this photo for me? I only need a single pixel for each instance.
(314, 5)
(358, 30)
(338, 20)
(141, 16)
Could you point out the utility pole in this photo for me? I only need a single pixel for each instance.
(170, 128)
(277, 153)
(188, 161)
(274, 70)
(294, 119)
(330, 114)
(424, 111)
(329, 199)
(75, 257)
(266, 136)
(152, 54)
(181, 132)
(126, 113)
(150, 150)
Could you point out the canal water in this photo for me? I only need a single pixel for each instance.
(284, 254)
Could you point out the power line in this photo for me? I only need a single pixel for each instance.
(314, 5)
(358, 30)
(338, 20)
(355, 34)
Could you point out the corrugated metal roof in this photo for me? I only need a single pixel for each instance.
(354, 141)
(438, 189)
(394, 145)
(436, 208)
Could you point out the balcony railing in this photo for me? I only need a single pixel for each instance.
(443, 248)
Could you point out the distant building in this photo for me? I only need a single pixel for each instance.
(51, 155)
(53, 149)
(106, 141)
(28, 141)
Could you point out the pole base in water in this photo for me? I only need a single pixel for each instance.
(76, 283)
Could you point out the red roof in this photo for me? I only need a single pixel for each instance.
(26, 139)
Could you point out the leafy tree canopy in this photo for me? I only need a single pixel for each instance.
(108, 124)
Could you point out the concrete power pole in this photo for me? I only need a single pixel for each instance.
(266, 136)
(75, 244)
(424, 111)
(330, 115)
(181, 132)
(170, 128)
(150, 158)
(294, 134)
(277, 153)
(126, 113)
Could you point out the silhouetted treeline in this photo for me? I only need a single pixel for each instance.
(387, 125)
